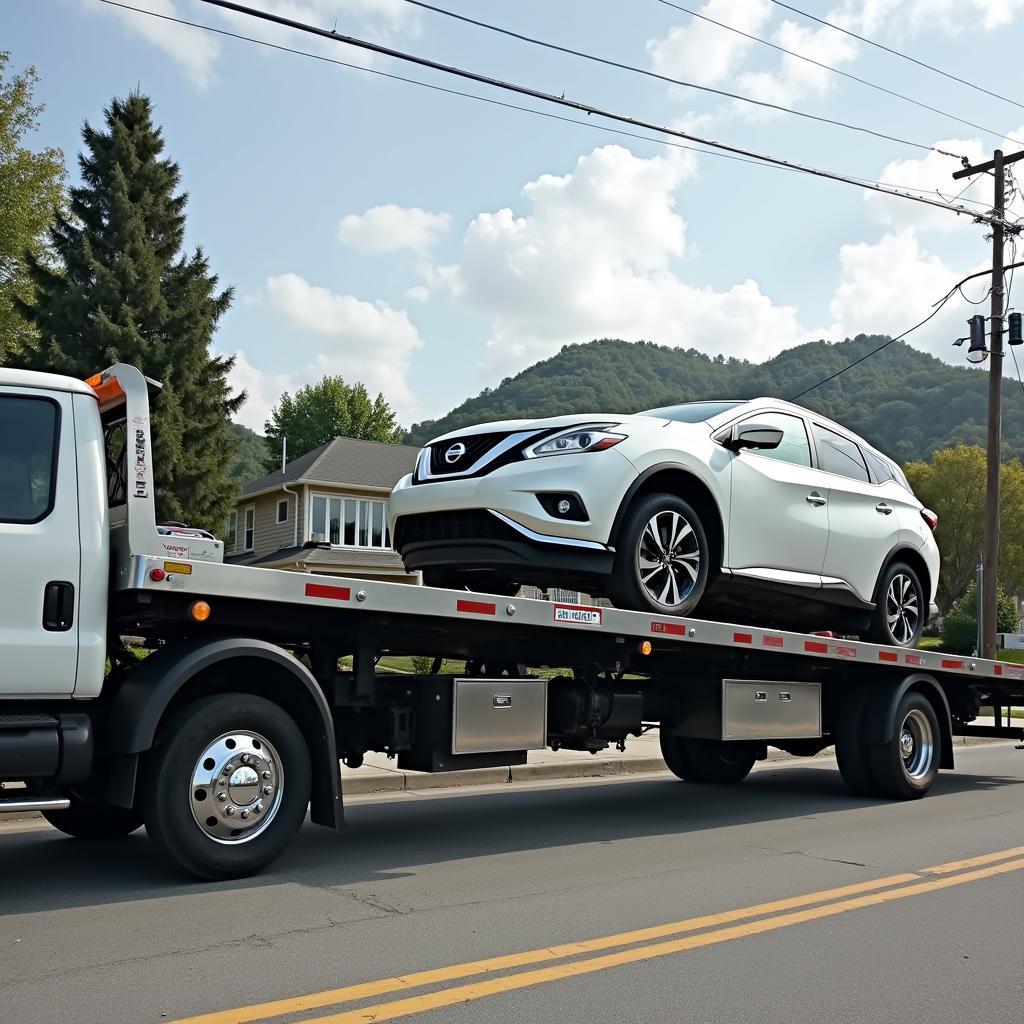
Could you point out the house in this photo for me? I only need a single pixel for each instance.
(325, 512)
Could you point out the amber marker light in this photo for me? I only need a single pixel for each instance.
(646, 647)
(199, 610)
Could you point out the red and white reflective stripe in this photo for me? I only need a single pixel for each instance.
(476, 607)
(913, 659)
(888, 656)
(769, 640)
(815, 647)
(742, 638)
(331, 593)
(950, 663)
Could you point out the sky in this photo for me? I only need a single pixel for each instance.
(430, 245)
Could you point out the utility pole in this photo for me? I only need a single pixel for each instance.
(990, 552)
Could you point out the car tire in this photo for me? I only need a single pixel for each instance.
(264, 748)
(900, 610)
(905, 766)
(86, 820)
(710, 761)
(651, 565)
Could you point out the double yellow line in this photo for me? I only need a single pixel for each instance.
(564, 961)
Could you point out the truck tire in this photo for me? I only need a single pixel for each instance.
(714, 761)
(84, 820)
(851, 751)
(905, 767)
(226, 785)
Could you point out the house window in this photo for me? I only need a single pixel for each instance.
(282, 511)
(351, 522)
(231, 530)
(250, 527)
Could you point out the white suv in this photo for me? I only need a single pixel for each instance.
(759, 510)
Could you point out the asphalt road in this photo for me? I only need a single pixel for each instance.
(782, 900)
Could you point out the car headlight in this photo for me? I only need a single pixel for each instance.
(592, 437)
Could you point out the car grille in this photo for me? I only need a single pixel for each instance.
(440, 527)
(476, 445)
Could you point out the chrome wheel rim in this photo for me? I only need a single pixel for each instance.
(902, 608)
(917, 744)
(237, 786)
(668, 558)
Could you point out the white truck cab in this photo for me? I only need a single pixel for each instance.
(54, 537)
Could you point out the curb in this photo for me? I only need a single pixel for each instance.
(401, 782)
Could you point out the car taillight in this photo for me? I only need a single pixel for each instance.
(930, 518)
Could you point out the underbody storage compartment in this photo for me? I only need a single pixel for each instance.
(750, 709)
(475, 723)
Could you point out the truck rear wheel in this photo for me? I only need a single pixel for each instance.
(851, 751)
(715, 761)
(227, 784)
(85, 820)
(905, 766)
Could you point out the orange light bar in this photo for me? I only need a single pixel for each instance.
(108, 389)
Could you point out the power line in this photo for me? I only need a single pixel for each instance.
(675, 81)
(508, 106)
(897, 53)
(875, 351)
(587, 108)
(885, 344)
(838, 71)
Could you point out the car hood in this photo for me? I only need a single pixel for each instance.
(548, 423)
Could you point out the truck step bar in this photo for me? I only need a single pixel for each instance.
(11, 805)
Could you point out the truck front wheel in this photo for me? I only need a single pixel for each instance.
(226, 785)
(85, 820)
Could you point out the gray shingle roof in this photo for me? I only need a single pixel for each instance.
(345, 460)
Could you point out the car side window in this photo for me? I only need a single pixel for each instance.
(880, 469)
(840, 455)
(28, 458)
(795, 447)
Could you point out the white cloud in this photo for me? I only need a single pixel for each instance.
(794, 79)
(262, 391)
(704, 53)
(193, 49)
(418, 293)
(197, 51)
(933, 173)
(363, 341)
(390, 227)
(889, 285)
(594, 258)
(951, 16)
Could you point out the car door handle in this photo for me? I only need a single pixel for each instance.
(886, 510)
(814, 498)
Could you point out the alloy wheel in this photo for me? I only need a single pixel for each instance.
(902, 608)
(668, 558)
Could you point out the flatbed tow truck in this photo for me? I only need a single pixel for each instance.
(234, 723)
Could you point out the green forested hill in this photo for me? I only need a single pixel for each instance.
(902, 400)
(249, 454)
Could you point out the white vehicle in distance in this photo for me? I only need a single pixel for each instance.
(757, 510)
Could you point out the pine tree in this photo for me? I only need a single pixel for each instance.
(123, 291)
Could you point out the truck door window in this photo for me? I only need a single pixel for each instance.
(29, 430)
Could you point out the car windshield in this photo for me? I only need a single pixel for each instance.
(691, 412)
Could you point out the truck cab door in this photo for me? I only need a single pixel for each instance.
(40, 549)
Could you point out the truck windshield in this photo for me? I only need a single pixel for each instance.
(691, 412)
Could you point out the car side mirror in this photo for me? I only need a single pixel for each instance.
(758, 436)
